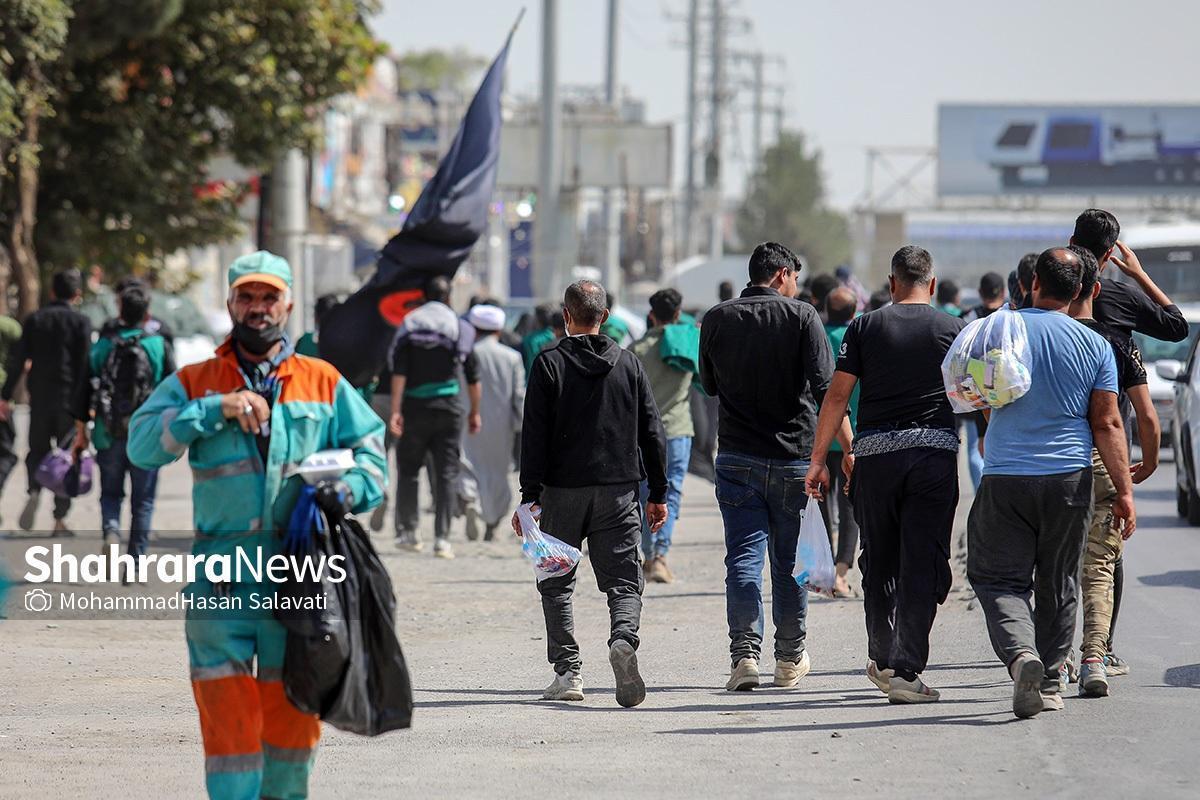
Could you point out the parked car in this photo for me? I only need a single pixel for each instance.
(1185, 430)
(1174, 354)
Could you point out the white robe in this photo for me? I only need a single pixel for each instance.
(489, 453)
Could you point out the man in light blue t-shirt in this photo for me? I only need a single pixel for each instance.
(1030, 517)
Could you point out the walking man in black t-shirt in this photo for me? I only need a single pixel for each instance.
(433, 348)
(1105, 541)
(905, 483)
(1125, 307)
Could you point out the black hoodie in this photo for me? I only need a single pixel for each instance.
(588, 413)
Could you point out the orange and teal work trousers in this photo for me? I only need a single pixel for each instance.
(256, 743)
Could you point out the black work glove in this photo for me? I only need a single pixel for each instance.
(334, 498)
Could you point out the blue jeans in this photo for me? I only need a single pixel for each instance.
(679, 452)
(761, 501)
(114, 465)
(974, 459)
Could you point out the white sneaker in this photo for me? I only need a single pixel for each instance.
(915, 691)
(442, 548)
(744, 676)
(568, 686)
(789, 673)
(882, 678)
(1052, 701)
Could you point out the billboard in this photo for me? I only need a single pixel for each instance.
(1068, 149)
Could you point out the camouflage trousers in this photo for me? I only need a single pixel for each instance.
(1104, 546)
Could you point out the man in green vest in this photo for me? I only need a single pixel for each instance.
(670, 356)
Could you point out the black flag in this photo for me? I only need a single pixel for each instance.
(444, 224)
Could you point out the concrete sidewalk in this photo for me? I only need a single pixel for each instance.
(104, 709)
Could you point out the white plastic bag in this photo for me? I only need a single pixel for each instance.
(814, 568)
(988, 364)
(550, 557)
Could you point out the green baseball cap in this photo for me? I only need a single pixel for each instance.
(261, 267)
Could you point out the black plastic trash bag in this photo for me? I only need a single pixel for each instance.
(344, 663)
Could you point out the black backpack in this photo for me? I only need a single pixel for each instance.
(125, 381)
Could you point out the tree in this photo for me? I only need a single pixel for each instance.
(785, 202)
(32, 33)
(437, 69)
(150, 92)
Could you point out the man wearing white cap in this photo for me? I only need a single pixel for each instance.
(490, 452)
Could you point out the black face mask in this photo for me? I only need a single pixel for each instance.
(257, 341)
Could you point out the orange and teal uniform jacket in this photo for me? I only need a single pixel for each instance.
(256, 743)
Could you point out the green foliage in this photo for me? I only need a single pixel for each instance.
(32, 33)
(150, 92)
(785, 202)
(436, 69)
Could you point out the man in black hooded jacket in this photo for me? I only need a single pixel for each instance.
(590, 426)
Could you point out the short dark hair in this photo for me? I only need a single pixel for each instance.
(131, 280)
(768, 258)
(586, 302)
(879, 299)
(665, 303)
(1097, 230)
(1059, 272)
(912, 266)
(820, 286)
(437, 289)
(840, 305)
(991, 286)
(545, 313)
(66, 284)
(134, 302)
(1090, 272)
(947, 293)
(725, 291)
(556, 319)
(1025, 271)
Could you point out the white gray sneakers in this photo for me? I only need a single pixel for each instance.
(880, 677)
(744, 676)
(568, 686)
(901, 691)
(789, 673)
(1027, 672)
(631, 690)
(1093, 679)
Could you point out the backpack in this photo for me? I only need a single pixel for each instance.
(126, 380)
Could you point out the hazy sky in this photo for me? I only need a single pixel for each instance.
(859, 74)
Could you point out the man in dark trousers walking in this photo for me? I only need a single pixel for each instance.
(590, 425)
(905, 484)
(766, 356)
(56, 340)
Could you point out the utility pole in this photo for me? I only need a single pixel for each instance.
(779, 115)
(757, 60)
(545, 226)
(289, 222)
(610, 271)
(689, 197)
(712, 164)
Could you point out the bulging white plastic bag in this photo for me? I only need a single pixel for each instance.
(814, 568)
(988, 366)
(550, 557)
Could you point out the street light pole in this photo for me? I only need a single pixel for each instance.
(545, 226)
(689, 197)
(611, 268)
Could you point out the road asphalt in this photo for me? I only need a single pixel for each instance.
(103, 708)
